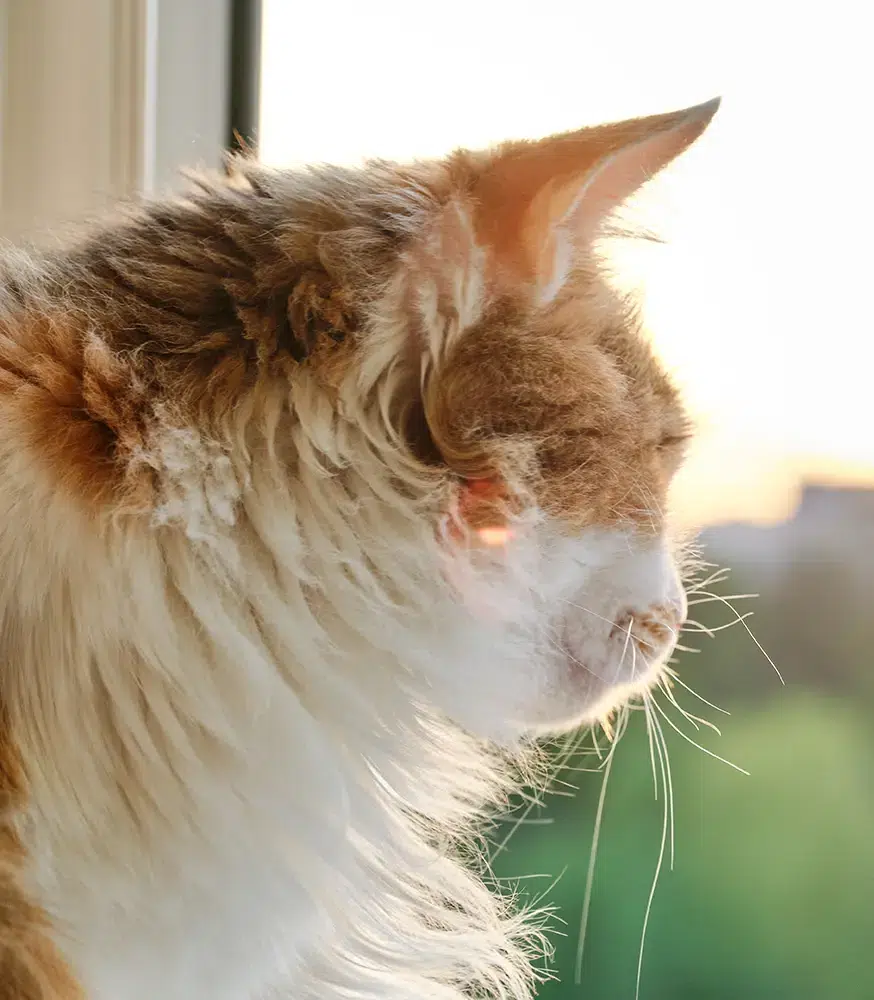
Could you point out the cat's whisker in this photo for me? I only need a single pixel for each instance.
(664, 685)
(711, 630)
(580, 607)
(669, 793)
(728, 597)
(621, 728)
(657, 740)
(597, 746)
(719, 575)
(696, 720)
(689, 739)
(565, 652)
(625, 647)
(678, 680)
(590, 872)
(742, 620)
(650, 740)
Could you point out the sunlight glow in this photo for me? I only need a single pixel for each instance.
(494, 537)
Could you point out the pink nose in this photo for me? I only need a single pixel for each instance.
(653, 630)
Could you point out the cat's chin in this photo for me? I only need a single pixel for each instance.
(586, 699)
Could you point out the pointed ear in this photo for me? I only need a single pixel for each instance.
(536, 201)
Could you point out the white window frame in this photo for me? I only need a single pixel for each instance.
(101, 99)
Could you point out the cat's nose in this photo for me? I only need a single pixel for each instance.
(654, 630)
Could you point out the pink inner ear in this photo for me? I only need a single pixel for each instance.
(570, 182)
(619, 175)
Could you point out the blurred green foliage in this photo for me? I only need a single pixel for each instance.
(772, 891)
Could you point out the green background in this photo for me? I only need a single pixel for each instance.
(772, 891)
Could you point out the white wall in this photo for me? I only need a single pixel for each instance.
(102, 98)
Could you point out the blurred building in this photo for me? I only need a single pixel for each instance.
(830, 522)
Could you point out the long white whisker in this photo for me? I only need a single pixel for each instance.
(689, 739)
(669, 793)
(590, 873)
(695, 694)
(669, 789)
(653, 722)
(664, 684)
(695, 720)
(711, 630)
(719, 575)
(709, 598)
(650, 738)
(625, 646)
(597, 744)
(749, 632)
(621, 727)
(580, 607)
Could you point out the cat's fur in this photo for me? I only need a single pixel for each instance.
(260, 675)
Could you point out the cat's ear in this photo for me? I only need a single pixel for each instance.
(537, 201)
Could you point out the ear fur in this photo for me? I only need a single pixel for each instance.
(536, 201)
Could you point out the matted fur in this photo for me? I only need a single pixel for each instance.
(260, 679)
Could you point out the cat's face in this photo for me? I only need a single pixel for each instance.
(600, 433)
(544, 400)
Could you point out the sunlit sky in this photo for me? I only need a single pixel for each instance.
(756, 302)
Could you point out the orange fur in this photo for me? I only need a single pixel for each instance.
(30, 966)
(606, 422)
(510, 366)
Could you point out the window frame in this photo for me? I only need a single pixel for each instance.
(103, 99)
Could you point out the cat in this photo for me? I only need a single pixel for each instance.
(323, 495)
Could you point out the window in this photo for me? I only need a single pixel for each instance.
(103, 98)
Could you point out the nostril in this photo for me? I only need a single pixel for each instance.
(622, 625)
(652, 629)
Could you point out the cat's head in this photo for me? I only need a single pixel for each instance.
(528, 379)
(450, 320)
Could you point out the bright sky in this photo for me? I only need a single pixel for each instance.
(757, 301)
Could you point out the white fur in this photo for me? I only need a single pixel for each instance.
(261, 730)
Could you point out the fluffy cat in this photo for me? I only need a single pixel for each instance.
(322, 495)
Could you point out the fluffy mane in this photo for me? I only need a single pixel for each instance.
(261, 687)
(262, 578)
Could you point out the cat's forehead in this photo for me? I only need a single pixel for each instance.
(577, 394)
(600, 340)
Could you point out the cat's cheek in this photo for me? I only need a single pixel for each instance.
(551, 632)
(613, 636)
